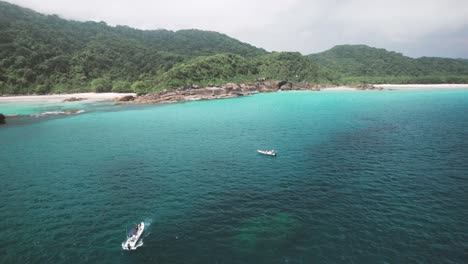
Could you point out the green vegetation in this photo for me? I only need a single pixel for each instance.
(224, 68)
(214, 69)
(121, 87)
(101, 85)
(362, 64)
(42, 54)
(294, 67)
(46, 54)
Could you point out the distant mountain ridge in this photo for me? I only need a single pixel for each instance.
(364, 62)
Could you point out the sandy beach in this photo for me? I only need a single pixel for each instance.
(339, 88)
(421, 86)
(91, 97)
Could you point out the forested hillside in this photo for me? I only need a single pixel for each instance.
(223, 68)
(364, 64)
(47, 54)
(40, 53)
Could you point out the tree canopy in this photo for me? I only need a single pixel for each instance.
(361, 63)
(47, 54)
(58, 55)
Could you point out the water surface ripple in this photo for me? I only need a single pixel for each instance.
(361, 177)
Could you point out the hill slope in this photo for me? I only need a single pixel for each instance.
(362, 63)
(224, 68)
(46, 53)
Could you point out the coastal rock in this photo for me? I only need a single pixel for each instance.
(304, 86)
(73, 112)
(232, 88)
(269, 85)
(2, 119)
(190, 86)
(215, 91)
(232, 85)
(202, 92)
(229, 90)
(285, 86)
(127, 98)
(74, 99)
(368, 87)
(283, 83)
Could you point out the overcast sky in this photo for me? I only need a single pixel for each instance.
(413, 27)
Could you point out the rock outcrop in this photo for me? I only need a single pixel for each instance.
(229, 90)
(126, 98)
(72, 112)
(74, 99)
(367, 87)
(2, 119)
(191, 93)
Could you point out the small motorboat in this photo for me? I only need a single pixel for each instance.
(133, 236)
(267, 152)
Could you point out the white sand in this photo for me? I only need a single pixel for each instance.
(60, 97)
(421, 86)
(338, 88)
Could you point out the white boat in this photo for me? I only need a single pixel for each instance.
(267, 152)
(132, 237)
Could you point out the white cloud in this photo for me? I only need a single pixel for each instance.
(301, 25)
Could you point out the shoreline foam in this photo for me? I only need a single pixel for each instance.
(89, 97)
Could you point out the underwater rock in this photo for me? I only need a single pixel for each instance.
(266, 232)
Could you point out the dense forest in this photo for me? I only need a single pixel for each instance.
(364, 64)
(44, 53)
(47, 54)
(222, 68)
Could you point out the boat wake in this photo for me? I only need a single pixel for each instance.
(148, 223)
(54, 113)
(138, 242)
(137, 245)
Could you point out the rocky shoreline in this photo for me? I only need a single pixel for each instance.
(229, 90)
(195, 93)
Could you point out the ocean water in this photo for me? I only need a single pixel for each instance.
(361, 177)
(45, 106)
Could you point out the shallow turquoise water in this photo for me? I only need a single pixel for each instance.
(361, 177)
(38, 107)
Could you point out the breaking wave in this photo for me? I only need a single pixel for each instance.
(54, 113)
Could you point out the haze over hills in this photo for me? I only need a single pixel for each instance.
(45, 53)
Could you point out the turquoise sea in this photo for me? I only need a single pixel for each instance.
(361, 177)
